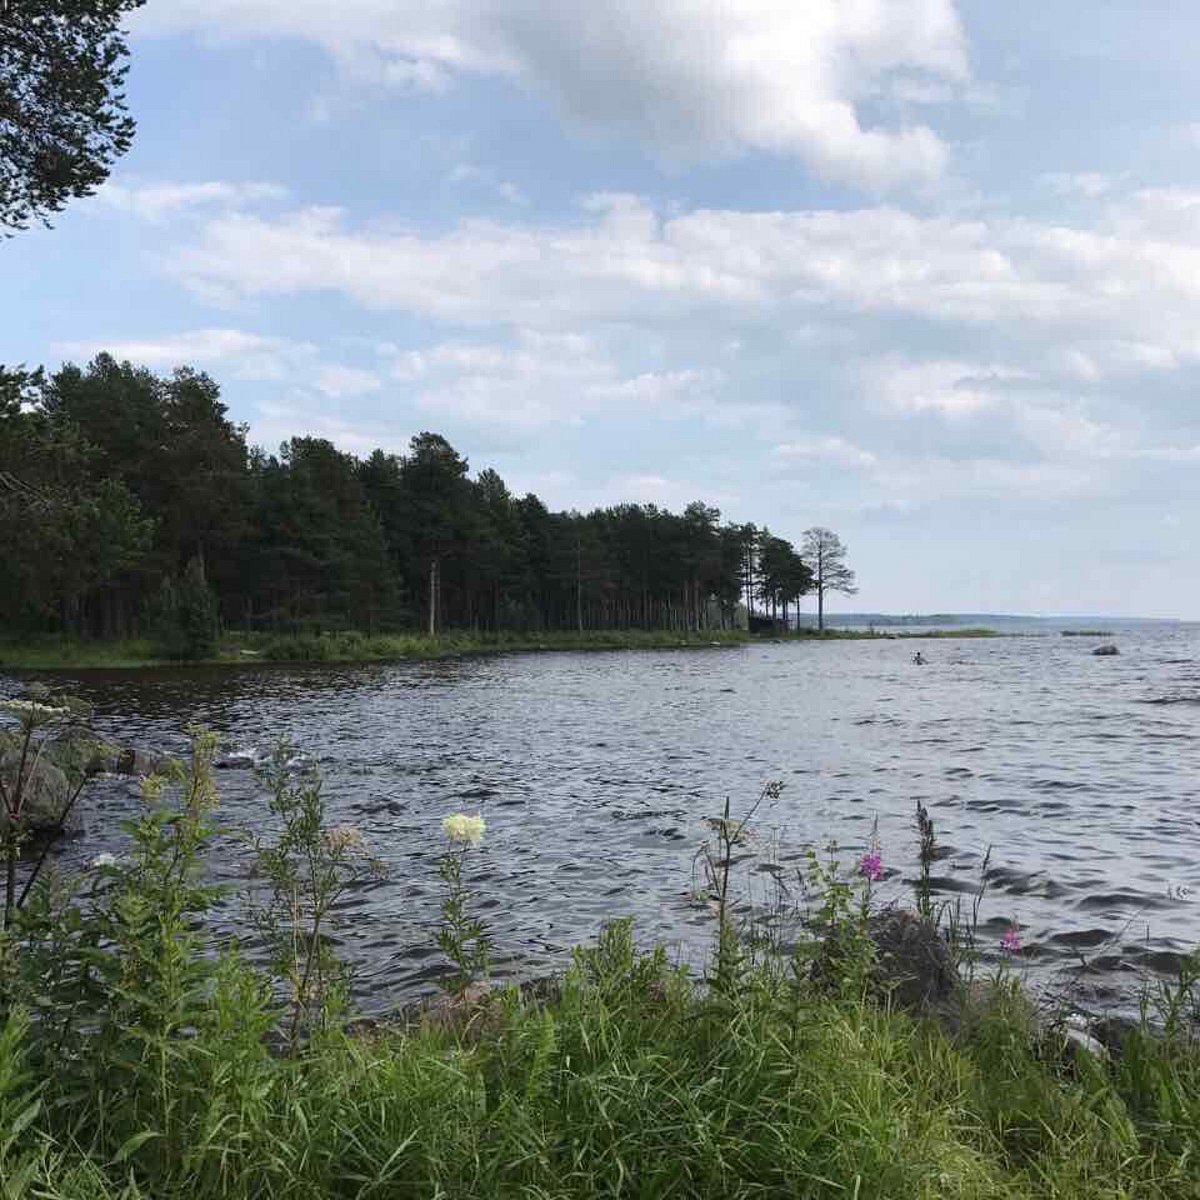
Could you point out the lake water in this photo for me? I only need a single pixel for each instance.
(595, 773)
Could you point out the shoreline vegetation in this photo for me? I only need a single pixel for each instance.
(839, 1049)
(56, 653)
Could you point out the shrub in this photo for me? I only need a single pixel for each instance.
(186, 617)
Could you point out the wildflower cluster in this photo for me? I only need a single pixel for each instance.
(464, 830)
(33, 713)
(870, 865)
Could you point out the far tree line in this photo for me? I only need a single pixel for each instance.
(122, 491)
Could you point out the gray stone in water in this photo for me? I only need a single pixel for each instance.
(44, 795)
(133, 761)
(1107, 649)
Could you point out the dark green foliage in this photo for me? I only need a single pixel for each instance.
(62, 112)
(69, 531)
(186, 618)
(116, 483)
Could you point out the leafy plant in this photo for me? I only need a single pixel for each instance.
(462, 937)
(306, 868)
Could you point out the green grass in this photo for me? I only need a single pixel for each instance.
(49, 653)
(54, 653)
(966, 631)
(834, 634)
(634, 1081)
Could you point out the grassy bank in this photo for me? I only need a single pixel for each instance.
(834, 634)
(635, 1081)
(56, 653)
(53, 653)
(141, 1057)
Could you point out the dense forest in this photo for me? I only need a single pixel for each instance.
(126, 497)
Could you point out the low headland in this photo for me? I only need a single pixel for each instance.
(55, 652)
(836, 1050)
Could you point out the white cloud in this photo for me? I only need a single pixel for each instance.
(154, 201)
(242, 355)
(826, 448)
(1109, 297)
(689, 388)
(1089, 184)
(908, 481)
(658, 489)
(688, 77)
(470, 173)
(542, 379)
(340, 381)
(249, 355)
(1170, 214)
(952, 389)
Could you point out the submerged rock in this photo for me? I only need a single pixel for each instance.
(1107, 649)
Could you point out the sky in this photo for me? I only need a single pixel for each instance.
(925, 272)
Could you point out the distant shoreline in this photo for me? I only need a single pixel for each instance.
(55, 654)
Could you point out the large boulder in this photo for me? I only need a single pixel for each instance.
(44, 795)
(78, 751)
(914, 967)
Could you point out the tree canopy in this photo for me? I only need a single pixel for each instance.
(63, 120)
(124, 494)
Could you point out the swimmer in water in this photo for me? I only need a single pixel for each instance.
(918, 659)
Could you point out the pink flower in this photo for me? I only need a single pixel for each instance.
(870, 866)
(1010, 943)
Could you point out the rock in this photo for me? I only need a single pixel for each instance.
(44, 796)
(78, 751)
(914, 967)
(1106, 650)
(1077, 1033)
(239, 760)
(1113, 1032)
(131, 760)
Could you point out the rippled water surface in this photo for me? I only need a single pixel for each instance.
(594, 772)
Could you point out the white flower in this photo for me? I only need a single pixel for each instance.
(463, 829)
(104, 860)
(33, 713)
